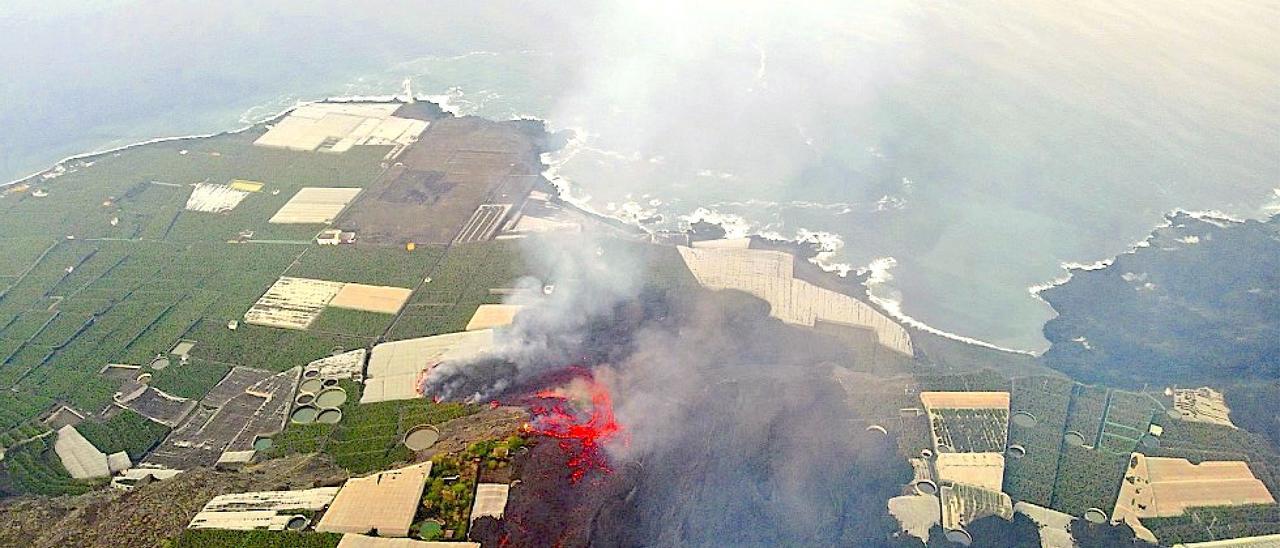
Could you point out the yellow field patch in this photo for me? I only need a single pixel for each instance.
(247, 186)
(371, 298)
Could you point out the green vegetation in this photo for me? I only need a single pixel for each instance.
(353, 323)
(266, 347)
(140, 273)
(1085, 417)
(978, 381)
(209, 538)
(972, 430)
(1030, 477)
(446, 504)
(34, 468)
(391, 266)
(459, 285)
(127, 431)
(1087, 479)
(1216, 523)
(191, 380)
(369, 436)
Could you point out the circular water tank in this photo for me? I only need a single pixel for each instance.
(1074, 438)
(1017, 451)
(330, 398)
(1095, 515)
(421, 437)
(305, 414)
(329, 416)
(311, 386)
(1024, 419)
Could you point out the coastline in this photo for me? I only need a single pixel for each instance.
(825, 245)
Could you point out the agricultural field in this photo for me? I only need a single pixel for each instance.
(1215, 523)
(1044, 399)
(971, 430)
(985, 380)
(1198, 442)
(459, 284)
(391, 266)
(1127, 420)
(1087, 479)
(191, 380)
(1085, 417)
(369, 436)
(204, 538)
(34, 468)
(110, 267)
(126, 431)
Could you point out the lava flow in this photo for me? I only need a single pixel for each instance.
(580, 417)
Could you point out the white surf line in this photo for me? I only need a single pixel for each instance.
(440, 100)
(1213, 217)
(879, 273)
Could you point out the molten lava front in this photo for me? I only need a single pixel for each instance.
(580, 416)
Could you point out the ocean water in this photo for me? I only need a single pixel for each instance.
(957, 154)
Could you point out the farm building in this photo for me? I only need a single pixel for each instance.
(769, 275)
(491, 500)
(81, 459)
(489, 316)
(336, 127)
(333, 236)
(347, 365)
(384, 502)
(294, 303)
(213, 198)
(314, 205)
(1163, 487)
(397, 369)
(271, 510)
(1202, 405)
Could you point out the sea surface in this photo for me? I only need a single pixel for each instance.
(957, 154)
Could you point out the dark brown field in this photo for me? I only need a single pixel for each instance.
(435, 186)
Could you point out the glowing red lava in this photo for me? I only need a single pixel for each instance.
(580, 417)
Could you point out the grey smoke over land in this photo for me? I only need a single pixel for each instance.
(735, 431)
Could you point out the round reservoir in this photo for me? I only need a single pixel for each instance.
(1094, 515)
(421, 437)
(297, 523)
(305, 414)
(262, 444)
(331, 398)
(1074, 438)
(329, 416)
(329, 382)
(305, 398)
(311, 386)
(1024, 419)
